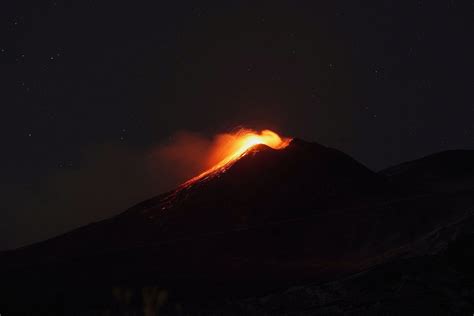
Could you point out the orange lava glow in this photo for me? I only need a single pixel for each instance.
(231, 147)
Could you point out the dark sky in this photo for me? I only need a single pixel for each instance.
(89, 89)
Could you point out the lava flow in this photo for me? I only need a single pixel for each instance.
(236, 145)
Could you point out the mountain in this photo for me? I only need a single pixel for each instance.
(451, 170)
(306, 215)
(263, 186)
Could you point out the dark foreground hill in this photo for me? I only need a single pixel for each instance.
(302, 230)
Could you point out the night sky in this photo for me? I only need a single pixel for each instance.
(91, 89)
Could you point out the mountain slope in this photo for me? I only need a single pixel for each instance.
(274, 218)
(451, 170)
(265, 185)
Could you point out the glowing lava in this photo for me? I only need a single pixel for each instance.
(232, 147)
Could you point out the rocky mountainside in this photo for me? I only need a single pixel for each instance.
(305, 217)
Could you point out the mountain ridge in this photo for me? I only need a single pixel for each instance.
(305, 213)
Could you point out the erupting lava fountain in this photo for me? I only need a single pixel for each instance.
(237, 145)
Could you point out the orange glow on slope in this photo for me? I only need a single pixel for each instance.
(231, 147)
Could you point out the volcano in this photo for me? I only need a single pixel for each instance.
(271, 219)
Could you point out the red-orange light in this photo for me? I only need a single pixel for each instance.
(234, 146)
